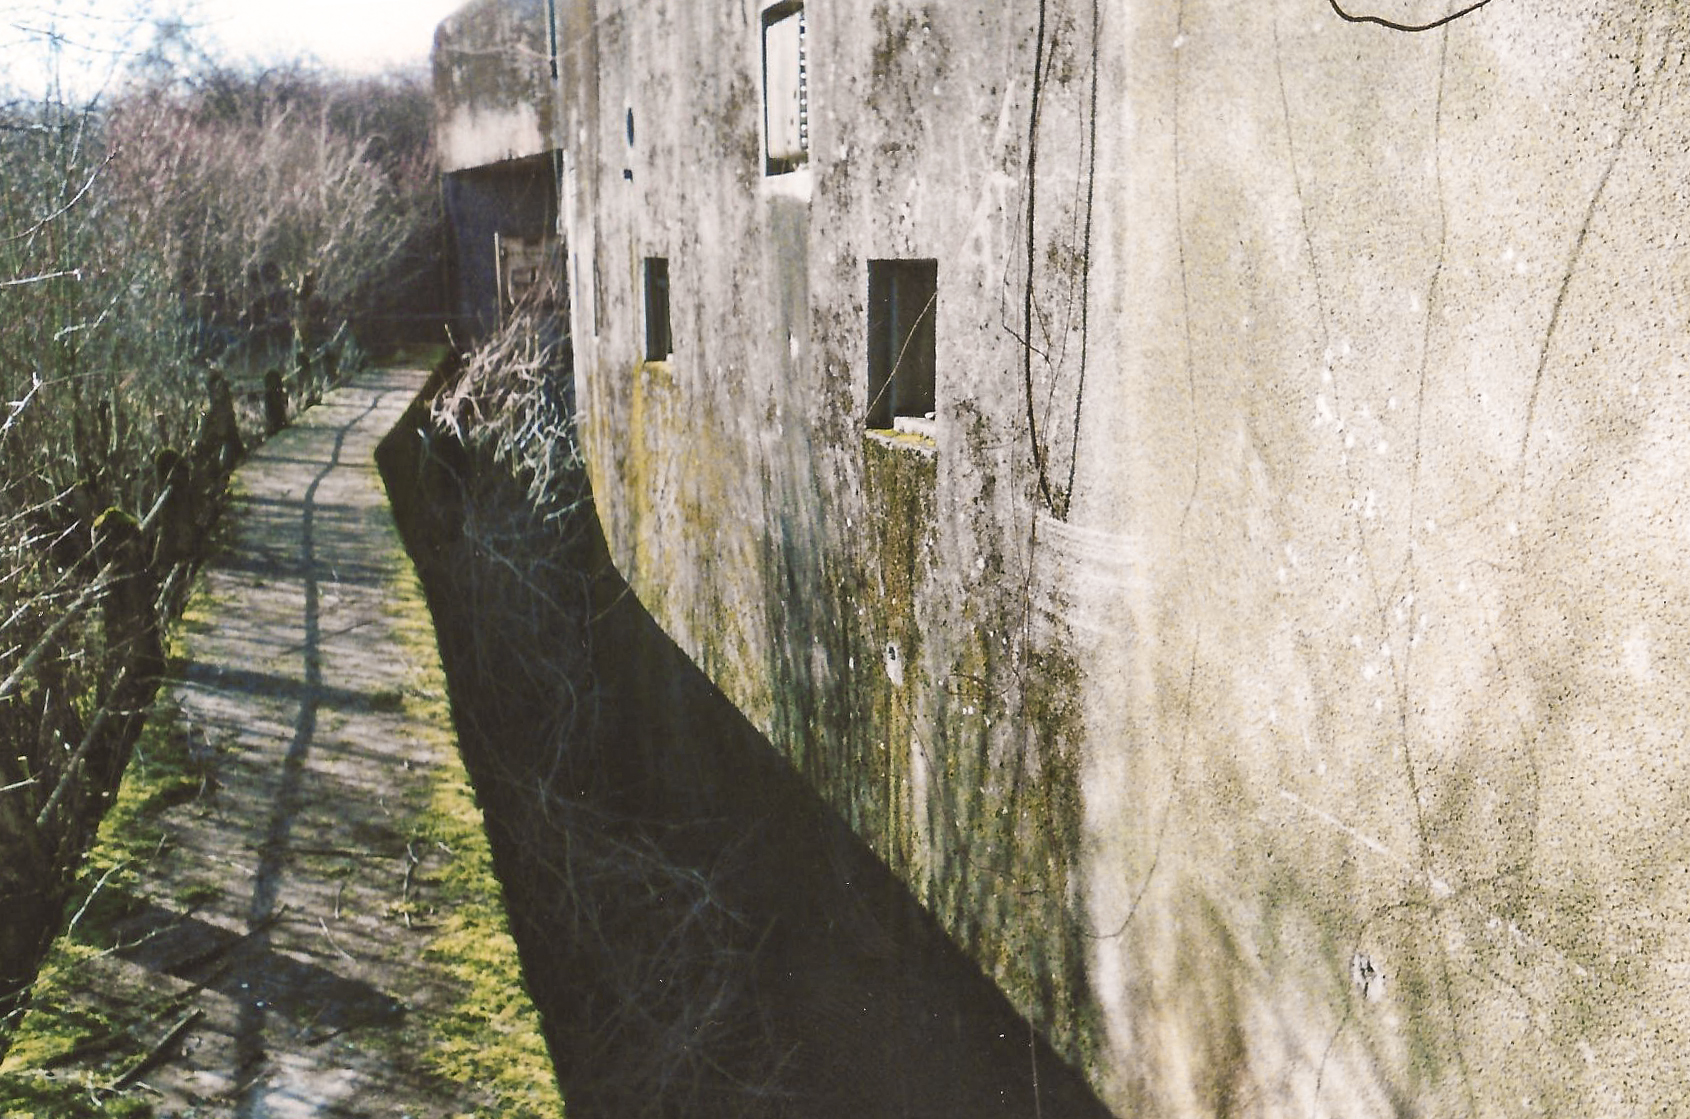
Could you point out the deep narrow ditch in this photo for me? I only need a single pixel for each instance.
(702, 935)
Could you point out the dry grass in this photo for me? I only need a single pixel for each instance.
(512, 398)
(630, 939)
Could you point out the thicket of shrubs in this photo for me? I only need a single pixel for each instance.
(161, 250)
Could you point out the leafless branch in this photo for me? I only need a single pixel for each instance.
(75, 273)
(66, 208)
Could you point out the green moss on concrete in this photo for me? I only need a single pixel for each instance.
(492, 1035)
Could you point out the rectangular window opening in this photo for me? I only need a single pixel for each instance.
(902, 344)
(658, 342)
(786, 88)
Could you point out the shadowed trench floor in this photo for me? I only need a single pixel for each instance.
(703, 934)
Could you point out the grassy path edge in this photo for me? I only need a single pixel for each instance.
(490, 1036)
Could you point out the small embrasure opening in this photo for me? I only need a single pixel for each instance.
(902, 343)
(659, 344)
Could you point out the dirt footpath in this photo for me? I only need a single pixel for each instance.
(300, 939)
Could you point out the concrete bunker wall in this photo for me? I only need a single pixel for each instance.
(495, 67)
(793, 553)
(1269, 664)
(512, 202)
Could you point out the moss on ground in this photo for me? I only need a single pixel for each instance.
(490, 1036)
(60, 1024)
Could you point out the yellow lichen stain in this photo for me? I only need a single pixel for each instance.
(907, 440)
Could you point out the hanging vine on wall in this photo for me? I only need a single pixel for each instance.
(1409, 28)
(1032, 256)
(1067, 254)
(1042, 301)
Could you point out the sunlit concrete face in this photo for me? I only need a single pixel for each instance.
(479, 137)
(1392, 446)
(1271, 668)
(492, 64)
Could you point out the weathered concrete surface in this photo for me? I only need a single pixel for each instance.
(292, 898)
(1385, 732)
(493, 68)
(494, 62)
(1275, 677)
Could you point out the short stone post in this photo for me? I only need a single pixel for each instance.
(174, 539)
(219, 446)
(275, 402)
(130, 619)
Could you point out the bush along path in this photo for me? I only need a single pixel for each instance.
(290, 910)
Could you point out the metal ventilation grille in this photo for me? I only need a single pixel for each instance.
(786, 88)
(803, 84)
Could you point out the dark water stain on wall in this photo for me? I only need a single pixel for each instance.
(703, 935)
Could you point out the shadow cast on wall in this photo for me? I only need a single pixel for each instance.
(702, 934)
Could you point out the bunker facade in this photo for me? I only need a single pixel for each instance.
(1198, 487)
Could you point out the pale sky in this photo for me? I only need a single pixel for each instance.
(357, 35)
(91, 35)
